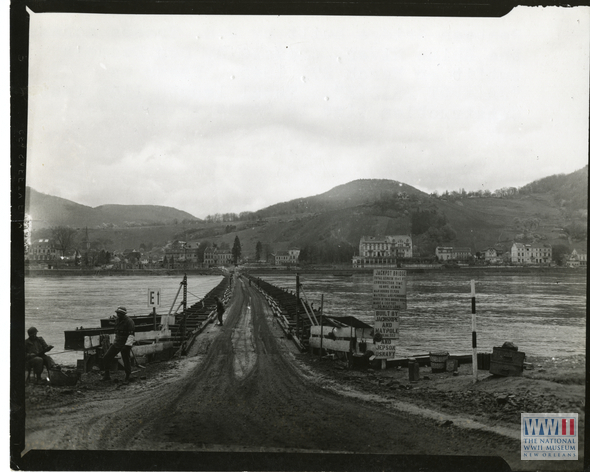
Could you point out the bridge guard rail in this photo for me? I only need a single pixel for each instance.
(282, 303)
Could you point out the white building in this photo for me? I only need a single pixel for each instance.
(490, 254)
(294, 254)
(450, 253)
(285, 257)
(183, 251)
(462, 253)
(530, 253)
(518, 253)
(444, 253)
(217, 257)
(382, 251)
(577, 259)
(42, 250)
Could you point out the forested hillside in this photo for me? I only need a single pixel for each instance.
(568, 191)
(352, 194)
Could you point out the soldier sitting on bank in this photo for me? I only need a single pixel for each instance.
(35, 357)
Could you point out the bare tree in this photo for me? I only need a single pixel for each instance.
(64, 237)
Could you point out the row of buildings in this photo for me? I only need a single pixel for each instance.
(385, 251)
(44, 251)
(540, 254)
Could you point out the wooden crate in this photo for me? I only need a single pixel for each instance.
(507, 362)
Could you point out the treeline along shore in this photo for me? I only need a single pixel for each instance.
(337, 271)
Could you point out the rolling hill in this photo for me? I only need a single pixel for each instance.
(552, 210)
(352, 194)
(48, 211)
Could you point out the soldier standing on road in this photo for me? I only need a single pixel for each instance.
(124, 339)
(220, 311)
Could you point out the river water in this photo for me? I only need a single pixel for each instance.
(543, 314)
(57, 304)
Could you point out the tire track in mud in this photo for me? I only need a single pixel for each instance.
(244, 346)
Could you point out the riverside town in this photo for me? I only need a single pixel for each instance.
(375, 252)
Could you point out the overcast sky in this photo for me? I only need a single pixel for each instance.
(213, 114)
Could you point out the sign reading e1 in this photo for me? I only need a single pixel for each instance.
(154, 296)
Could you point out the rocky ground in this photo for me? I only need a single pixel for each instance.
(552, 385)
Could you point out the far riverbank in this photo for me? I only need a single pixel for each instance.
(336, 271)
(119, 272)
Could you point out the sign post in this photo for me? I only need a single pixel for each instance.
(154, 301)
(389, 298)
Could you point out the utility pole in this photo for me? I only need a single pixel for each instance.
(183, 323)
(473, 332)
(87, 244)
(297, 306)
(184, 292)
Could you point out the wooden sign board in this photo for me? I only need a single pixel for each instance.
(389, 297)
(389, 289)
(154, 295)
(383, 274)
(390, 303)
(387, 315)
(387, 323)
(389, 282)
(384, 349)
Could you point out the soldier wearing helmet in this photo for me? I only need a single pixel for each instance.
(35, 357)
(124, 339)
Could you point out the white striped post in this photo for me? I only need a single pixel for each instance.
(473, 331)
(321, 326)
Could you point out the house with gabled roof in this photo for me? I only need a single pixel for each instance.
(577, 259)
